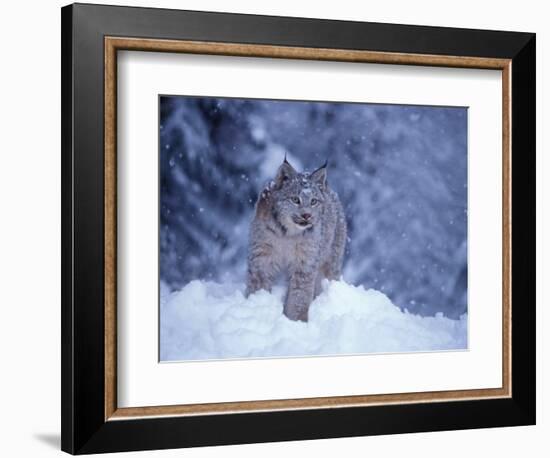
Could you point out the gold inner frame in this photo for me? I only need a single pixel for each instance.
(112, 45)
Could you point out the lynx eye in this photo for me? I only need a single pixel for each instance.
(314, 202)
(295, 200)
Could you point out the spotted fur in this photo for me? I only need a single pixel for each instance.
(298, 231)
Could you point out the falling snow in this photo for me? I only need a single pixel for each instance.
(400, 171)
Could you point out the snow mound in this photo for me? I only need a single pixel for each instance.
(207, 320)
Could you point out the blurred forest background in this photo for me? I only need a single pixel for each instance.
(400, 172)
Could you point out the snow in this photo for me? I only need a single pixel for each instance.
(207, 320)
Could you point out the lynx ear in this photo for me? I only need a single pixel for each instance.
(320, 176)
(285, 173)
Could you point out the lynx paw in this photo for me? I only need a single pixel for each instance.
(295, 313)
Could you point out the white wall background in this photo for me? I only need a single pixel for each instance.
(30, 229)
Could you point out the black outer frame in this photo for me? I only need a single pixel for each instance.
(83, 426)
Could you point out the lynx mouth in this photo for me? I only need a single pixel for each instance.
(302, 223)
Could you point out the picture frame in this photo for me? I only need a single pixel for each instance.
(92, 421)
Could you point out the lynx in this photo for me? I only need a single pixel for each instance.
(298, 231)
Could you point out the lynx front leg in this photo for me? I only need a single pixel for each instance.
(260, 274)
(300, 295)
(318, 283)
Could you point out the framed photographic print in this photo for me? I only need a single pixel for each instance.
(281, 228)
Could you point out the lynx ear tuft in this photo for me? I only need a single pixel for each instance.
(285, 173)
(320, 176)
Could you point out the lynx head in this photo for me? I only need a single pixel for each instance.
(298, 198)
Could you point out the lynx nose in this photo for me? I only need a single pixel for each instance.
(306, 216)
